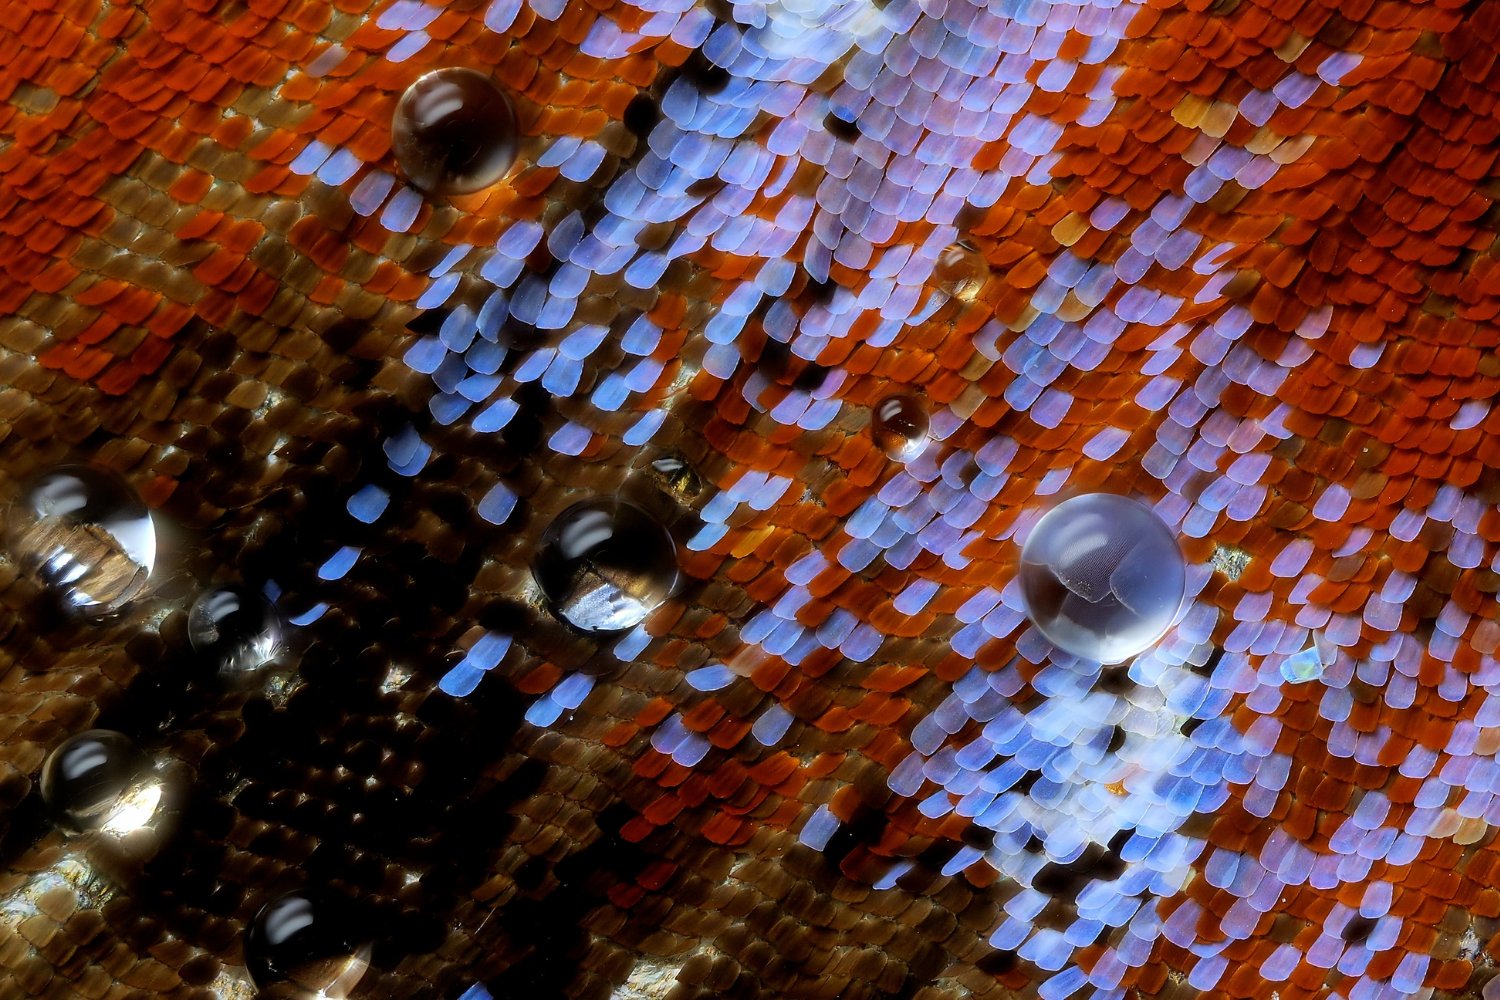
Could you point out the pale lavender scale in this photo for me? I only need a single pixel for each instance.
(500, 271)
(782, 638)
(966, 512)
(939, 537)
(1175, 251)
(425, 355)
(1051, 407)
(1333, 68)
(606, 40)
(1101, 331)
(1256, 173)
(408, 47)
(1453, 620)
(771, 726)
(477, 388)
(370, 193)
(534, 365)
(1294, 89)
(570, 439)
(1201, 185)
(562, 377)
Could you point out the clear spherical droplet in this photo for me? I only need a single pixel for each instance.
(235, 629)
(99, 780)
(899, 424)
(86, 535)
(1102, 577)
(676, 476)
(454, 132)
(305, 945)
(605, 564)
(962, 270)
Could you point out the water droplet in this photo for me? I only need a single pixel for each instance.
(85, 534)
(605, 564)
(99, 780)
(1308, 664)
(962, 270)
(305, 945)
(676, 476)
(454, 132)
(840, 127)
(899, 424)
(1102, 577)
(235, 629)
(642, 114)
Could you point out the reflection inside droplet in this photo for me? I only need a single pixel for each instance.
(454, 132)
(305, 945)
(962, 270)
(605, 564)
(899, 425)
(677, 476)
(99, 780)
(235, 629)
(1102, 577)
(1308, 664)
(86, 535)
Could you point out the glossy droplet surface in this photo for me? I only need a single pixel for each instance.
(305, 945)
(99, 780)
(1102, 577)
(84, 533)
(235, 629)
(676, 476)
(899, 425)
(454, 132)
(962, 270)
(605, 564)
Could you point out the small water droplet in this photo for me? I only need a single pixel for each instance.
(1308, 664)
(85, 534)
(304, 945)
(605, 564)
(235, 629)
(99, 780)
(1102, 577)
(454, 132)
(677, 476)
(899, 425)
(962, 270)
(642, 114)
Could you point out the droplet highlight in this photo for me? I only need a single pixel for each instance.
(84, 533)
(305, 945)
(605, 564)
(1102, 577)
(454, 132)
(100, 781)
(962, 270)
(900, 426)
(235, 630)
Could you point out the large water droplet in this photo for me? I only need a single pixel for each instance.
(1102, 577)
(454, 132)
(235, 629)
(962, 270)
(305, 945)
(84, 533)
(99, 780)
(605, 564)
(899, 425)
